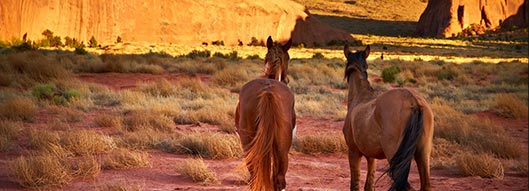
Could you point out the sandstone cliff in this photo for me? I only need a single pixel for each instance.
(183, 22)
(445, 18)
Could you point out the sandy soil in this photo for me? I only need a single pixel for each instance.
(306, 172)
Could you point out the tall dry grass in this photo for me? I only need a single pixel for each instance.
(86, 142)
(39, 171)
(478, 135)
(10, 131)
(508, 105)
(208, 145)
(18, 108)
(197, 170)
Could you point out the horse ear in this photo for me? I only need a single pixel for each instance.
(366, 51)
(346, 51)
(269, 42)
(287, 45)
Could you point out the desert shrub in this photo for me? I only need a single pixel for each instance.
(389, 74)
(478, 135)
(232, 55)
(192, 68)
(124, 158)
(137, 120)
(84, 142)
(482, 165)
(119, 40)
(18, 108)
(37, 67)
(38, 171)
(197, 170)
(508, 105)
(448, 73)
(92, 43)
(255, 42)
(253, 57)
(209, 145)
(80, 50)
(230, 77)
(9, 132)
(145, 139)
(109, 120)
(311, 144)
(199, 54)
(444, 153)
(318, 55)
(43, 91)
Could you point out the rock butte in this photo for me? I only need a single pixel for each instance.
(190, 22)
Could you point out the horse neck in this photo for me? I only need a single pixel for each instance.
(360, 91)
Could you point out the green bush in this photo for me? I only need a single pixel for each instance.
(80, 50)
(231, 55)
(70, 94)
(43, 91)
(92, 43)
(389, 74)
(318, 55)
(197, 53)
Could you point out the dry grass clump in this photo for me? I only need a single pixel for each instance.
(9, 132)
(481, 136)
(39, 171)
(137, 120)
(483, 165)
(71, 115)
(124, 158)
(129, 64)
(316, 73)
(190, 67)
(209, 145)
(319, 102)
(197, 170)
(84, 142)
(444, 152)
(508, 105)
(18, 108)
(86, 166)
(311, 144)
(32, 66)
(121, 186)
(231, 77)
(109, 120)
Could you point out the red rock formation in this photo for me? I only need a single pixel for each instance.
(184, 22)
(445, 18)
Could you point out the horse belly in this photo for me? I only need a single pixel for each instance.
(366, 134)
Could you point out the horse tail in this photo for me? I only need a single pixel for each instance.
(399, 166)
(261, 157)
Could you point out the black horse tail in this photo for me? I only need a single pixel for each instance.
(399, 166)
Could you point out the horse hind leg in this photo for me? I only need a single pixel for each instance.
(422, 158)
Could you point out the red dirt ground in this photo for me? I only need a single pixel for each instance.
(306, 172)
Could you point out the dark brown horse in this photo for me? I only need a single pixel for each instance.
(396, 125)
(265, 119)
(276, 60)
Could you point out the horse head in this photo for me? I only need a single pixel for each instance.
(356, 62)
(276, 60)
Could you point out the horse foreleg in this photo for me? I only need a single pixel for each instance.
(354, 164)
(371, 167)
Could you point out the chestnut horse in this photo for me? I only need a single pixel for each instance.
(396, 125)
(276, 60)
(265, 119)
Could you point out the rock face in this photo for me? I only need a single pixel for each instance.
(189, 22)
(445, 18)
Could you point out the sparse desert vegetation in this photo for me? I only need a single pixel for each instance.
(72, 113)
